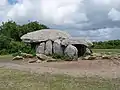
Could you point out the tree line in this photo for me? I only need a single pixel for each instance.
(10, 33)
(111, 44)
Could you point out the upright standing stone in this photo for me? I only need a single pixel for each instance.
(41, 48)
(57, 49)
(88, 51)
(71, 51)
(48, 47)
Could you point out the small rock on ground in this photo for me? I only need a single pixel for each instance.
(18, 58)
(32, 61)
(42, 57)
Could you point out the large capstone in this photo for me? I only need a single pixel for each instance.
(77, 41)
(71, 51)
(57, 48)
(41, 48)
(48, 48)
(44, 35)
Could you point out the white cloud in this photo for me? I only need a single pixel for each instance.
(93, 18)
(4, 2)
(114, 15)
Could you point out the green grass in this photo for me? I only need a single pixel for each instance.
(5, 57)
(17, 80)
(106, 50)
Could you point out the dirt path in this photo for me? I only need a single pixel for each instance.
(103, 68)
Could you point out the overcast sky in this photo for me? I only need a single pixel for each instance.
(95, 19)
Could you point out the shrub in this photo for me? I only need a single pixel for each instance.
(20, 46)
(3, 52)
(17, 54)
(10, 33)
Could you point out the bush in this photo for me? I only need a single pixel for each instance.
(3, 52)
(111, 44)
(4, 42)
(17, 54)
(10, 33)
(14, 47)
(20, 46)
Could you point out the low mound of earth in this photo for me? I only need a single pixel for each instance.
(102, 68)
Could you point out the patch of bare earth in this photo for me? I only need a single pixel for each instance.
(102, 68)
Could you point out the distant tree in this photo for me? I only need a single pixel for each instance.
(15, 31)
(30, 27)
(111, 44)
(4, 42)
(10, 29)
(10, 34)
(16, 46)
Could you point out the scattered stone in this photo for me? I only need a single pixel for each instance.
(25, 55)
(48, 50)
(109, 53)
(42, 57)
(85, 58)
(57, 49)
(38, 61)
(90, 58)
(44, 61)
(51, 60)
(80, 58)
(32, 60)
(18, 58)
(97, 54)
(116, 58)
(41, 48)
(106, 57)
(71, 51)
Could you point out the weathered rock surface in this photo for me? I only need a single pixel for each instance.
(48, 47)
(57, 48)
(90, 58)
(44, 35)
(71, 51)
(38, 61)
(88, 51)
(25, 55)
(41, 48)
(61, 40)
(51, 60)
(18, 58)
(78, 40)
(106, 57)
(96, 54)
(42, 57)
(32, 61)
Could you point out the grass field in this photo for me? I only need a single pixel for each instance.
(6, 57)
(17, 80)
(106, 50)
